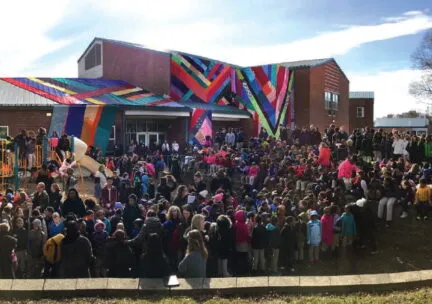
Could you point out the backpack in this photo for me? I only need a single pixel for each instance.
(51, 249)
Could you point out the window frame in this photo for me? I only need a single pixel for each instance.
(93, 58)
(362, 112)
(7, 130)
(113, 129)
(331, 101)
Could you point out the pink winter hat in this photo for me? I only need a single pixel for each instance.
(218, 198)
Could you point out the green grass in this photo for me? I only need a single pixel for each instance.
(412, 297)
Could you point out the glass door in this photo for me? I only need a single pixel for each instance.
(161, 138)
(153, 139)
(142, 138)
(150, 139)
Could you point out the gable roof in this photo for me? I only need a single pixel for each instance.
(291, 64)
(306, 63)
(148, 49)
(361, 95)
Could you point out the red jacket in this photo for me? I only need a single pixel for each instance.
(241, 230)
(324, 157)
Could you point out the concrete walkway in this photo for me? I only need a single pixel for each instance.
(51, 288)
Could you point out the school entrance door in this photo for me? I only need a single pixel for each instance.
(150, 138)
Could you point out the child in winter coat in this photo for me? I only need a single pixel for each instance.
(288, 243)
(97, 193)
(21, 234)
(121, 259)
(336, 226)
(301, 231)
(314, 237)
(56, 226)
(242, 240)
(100, 215)
(259, 244)
(71, 181)
(99, 242)
(348, 230)
(250, 222)
(224, 244)
(35, 249)
(327, 229)
(274, 236)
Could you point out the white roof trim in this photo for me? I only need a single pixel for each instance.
(223, 116)
(157, 113)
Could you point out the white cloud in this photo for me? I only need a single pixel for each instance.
(200, 28)
(391, 90)
(24, 35)
(332, 43)
(66, 68)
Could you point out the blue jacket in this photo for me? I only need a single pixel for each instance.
(314, 232)
(145, 183)
(348, 225)
(54, 229)
(107, 225)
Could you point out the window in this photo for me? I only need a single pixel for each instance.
(4, 131)
(331, 101)
(93, 57)
(360, 112)
(335, 100)
(112, 137)
(327, 99)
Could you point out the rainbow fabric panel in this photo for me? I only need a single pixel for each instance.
(76, 91)
(265, 91)
(91, 123)
(200, 126)
(87, 107)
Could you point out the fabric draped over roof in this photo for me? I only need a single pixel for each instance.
(74, 91)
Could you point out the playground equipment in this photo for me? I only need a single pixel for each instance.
(14, 168)
(79, 149)
(7, 160)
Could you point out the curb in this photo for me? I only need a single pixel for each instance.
(300, 285)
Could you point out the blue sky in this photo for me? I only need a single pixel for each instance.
(371, 40)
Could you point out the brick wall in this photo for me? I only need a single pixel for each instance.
(301, 98)
(367, 120)
(147, 69)
(18, 119)
(328, 78)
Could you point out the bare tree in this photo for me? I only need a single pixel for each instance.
(422, 60)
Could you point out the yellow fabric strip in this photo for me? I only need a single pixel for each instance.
(127, 91)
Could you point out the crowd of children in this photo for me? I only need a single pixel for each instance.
(305, 191)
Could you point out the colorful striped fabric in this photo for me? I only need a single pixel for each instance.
(200, 126)
(87, 107)
(265, 91)
(74, 91)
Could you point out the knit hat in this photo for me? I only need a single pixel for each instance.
(99, 223)
(198, 174)
(203, 193)
(314, 213)
(37, 223)
(361, 202)
(118, 205)
(218, 198)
